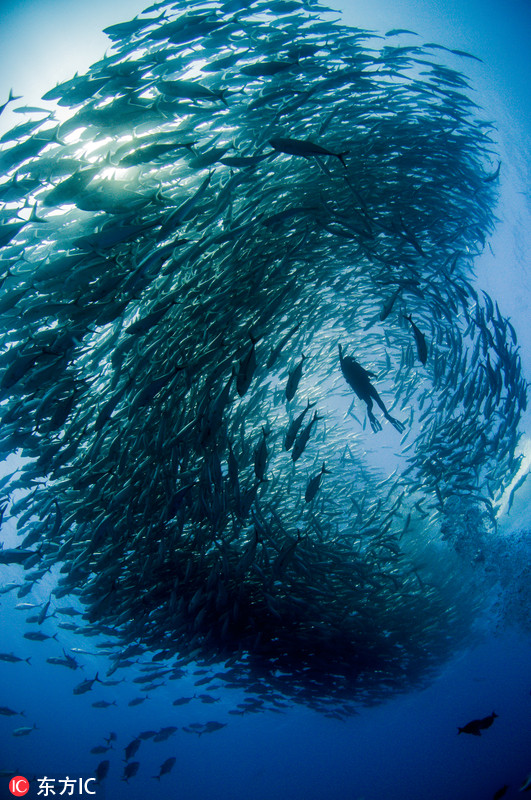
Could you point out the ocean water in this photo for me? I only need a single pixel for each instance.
(404, 744)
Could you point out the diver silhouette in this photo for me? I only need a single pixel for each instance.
(359, 380)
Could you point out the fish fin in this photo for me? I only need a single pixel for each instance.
(34, 217)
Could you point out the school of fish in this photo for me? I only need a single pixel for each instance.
(254, 231)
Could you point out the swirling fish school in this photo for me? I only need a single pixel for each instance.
(237, 184)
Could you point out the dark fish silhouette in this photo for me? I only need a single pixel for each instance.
(130, 770)
(102, 770)
(294, 427)
(293, 380)
(246, 367)
(477, 725)
(132, 748)
(8, 712)
(166, 767)
(500, 793)
(305, 148)
(314, 484)
(420, 341)
(86, 685)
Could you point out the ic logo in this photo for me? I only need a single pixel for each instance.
(19, 786)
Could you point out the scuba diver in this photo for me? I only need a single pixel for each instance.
(359, 380)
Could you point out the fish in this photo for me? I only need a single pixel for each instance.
(304, 148)
(166, 767)
(43, 612)
(477, 725)
(294, 427)
(15, 556)
(24, 731)
(38, 636)
(420, 341)
(146, 735)
(246, 367)
(189, 90)
(181, 701)
(389, 303)
(314, 484)
(8, 712)
(130, 770)
(10, 99)
(213, 725)
(301, 441)
(500, 792)
(136, 701)
(132, 748)
(86, 685)
(276, 351)
(11, 658)
(164, 733)
(102, 770)
(260, 457)
(293, 380)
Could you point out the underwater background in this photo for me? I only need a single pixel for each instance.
(257, 738)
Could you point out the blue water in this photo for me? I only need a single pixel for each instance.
(406, 748)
